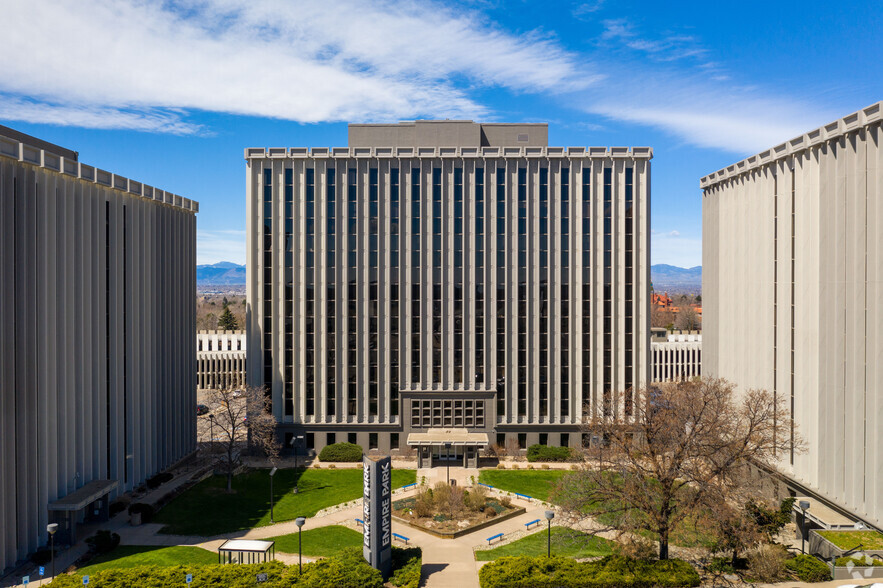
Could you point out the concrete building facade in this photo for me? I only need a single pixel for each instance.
(793, 298)
(676, 356)
(220, 359)
(442, 280)
(97, 315)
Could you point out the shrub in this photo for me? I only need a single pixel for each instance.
(145, 509)
(808, 569)
(341, 452)
(406, 564)
(501, 466)
(547, 453)
(118, 506)
(609, 572)
(103, 542)
(545, 466)
(766, 563)
(158, 480)
(858, 561)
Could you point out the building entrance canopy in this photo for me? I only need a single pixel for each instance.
(66, 511)
(440, 437)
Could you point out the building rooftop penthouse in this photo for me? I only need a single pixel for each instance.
(861, 118)
(449, 139)
(37, 152)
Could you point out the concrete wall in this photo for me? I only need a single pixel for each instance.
(449, 133)
(97, 315)
(792, 274)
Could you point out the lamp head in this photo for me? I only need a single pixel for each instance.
(273, 472)
(299, 521)
(804, 505)
(550, 514)
(51, 528)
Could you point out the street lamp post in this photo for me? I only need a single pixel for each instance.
(295, 443)
(448, 460)
(299, 521)
(211, 419)
(804, 506)
(272, 473)
(550, 514)
(51, 528)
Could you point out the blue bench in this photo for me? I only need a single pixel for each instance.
(497, 536)
(402, 537)
(409, 485)
(529, 498)
(533, 522)
(361, 522)
(486, 485)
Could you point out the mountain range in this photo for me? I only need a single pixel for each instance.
(223, 273)
(665, 278)
(676, 280)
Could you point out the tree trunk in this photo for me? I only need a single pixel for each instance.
(663, 543)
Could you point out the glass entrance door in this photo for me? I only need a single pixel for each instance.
(442, 454)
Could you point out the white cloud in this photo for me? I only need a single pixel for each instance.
(306, 61)
(224, 245)
(674, 249)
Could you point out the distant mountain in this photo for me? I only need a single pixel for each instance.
(676, 280)
(221, 273)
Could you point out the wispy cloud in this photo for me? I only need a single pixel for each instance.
(583, 10)
(669, 80)
(136, 64)
(215, 246)
(674, 249)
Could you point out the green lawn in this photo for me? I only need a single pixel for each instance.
(848, 539)
(566, 542)
(321, 542)
(541, 483)
(536, 483)
(129, 556)
(207, 509)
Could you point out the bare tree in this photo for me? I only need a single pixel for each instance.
(691, 449)
(242, 416)
(687, 319)
(661, 316)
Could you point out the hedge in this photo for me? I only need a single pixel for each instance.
(868, 561)
(808, 569)
(609, 572)
(348, 452)
(406, 565)
(349, 570)
(547, 453)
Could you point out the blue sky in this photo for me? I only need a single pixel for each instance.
(170, 93)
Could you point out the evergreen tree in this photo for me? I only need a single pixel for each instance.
(227, 322)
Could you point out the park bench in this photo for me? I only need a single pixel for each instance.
(533, 522)
(497, 536)
(401, 538)
(525, 496)
(361, 522)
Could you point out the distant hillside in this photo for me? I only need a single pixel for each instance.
(676, 280)
(222, 273)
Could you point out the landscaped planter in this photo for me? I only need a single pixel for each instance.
(459, 533)
(825, 549)
(858, 573)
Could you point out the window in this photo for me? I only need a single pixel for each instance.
(353, 438)
(522, 440)
(393, 440)
(372, 440)
(544, 438)
(330, 438)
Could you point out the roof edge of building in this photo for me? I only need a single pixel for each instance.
(867, 116)
(37, 156)
(447, 152)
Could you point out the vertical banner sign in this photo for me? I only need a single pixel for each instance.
(377, 513)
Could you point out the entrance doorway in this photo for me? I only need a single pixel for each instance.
(445, 456)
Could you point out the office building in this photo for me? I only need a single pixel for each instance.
(447, 281)
(676, 356)
(792, 289)
(97, 316)
(220, 360)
